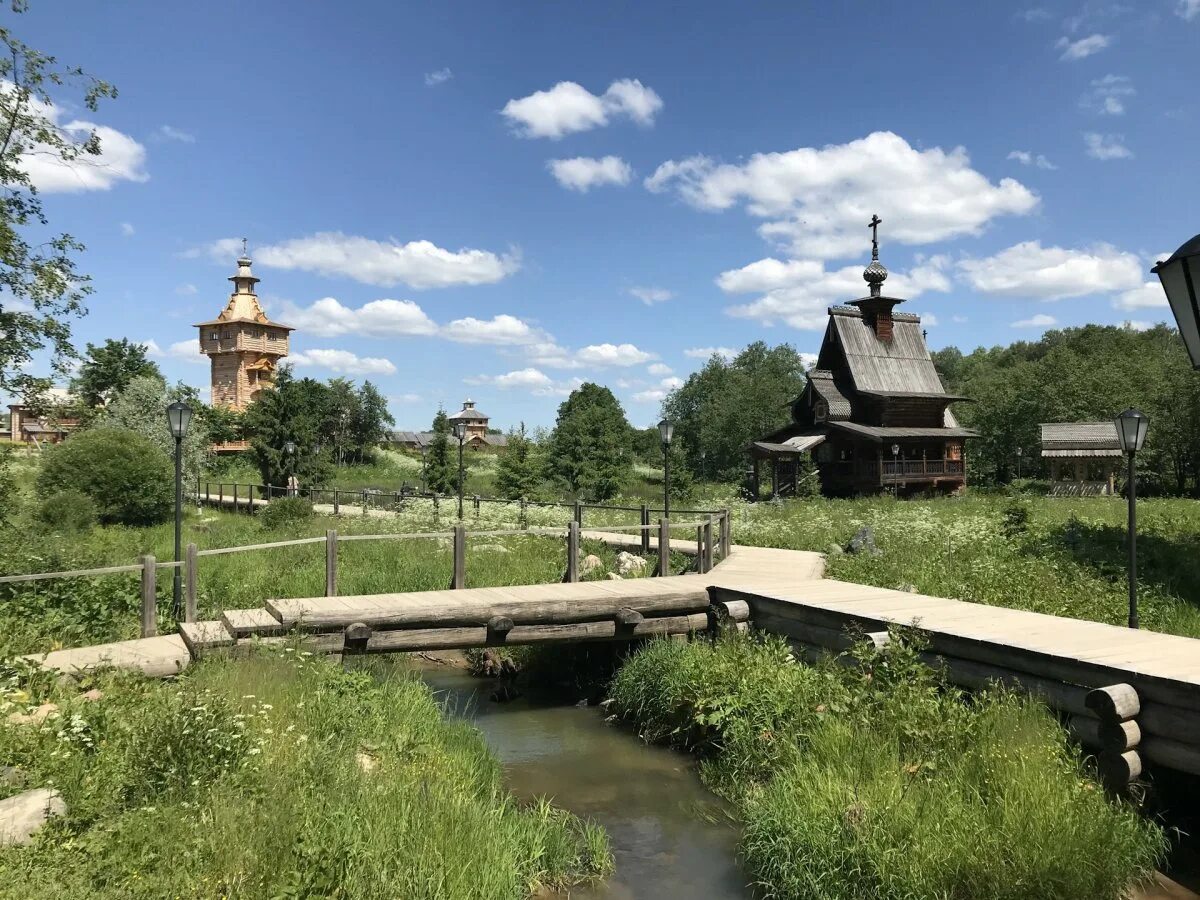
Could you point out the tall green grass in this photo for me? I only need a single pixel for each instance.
(279, 775)
(879, 781)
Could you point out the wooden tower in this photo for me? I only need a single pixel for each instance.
(244, 345)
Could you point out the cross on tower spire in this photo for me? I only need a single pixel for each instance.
(244, 247)
(874, 226)
(875, 274)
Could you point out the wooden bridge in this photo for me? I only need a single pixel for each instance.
(1129, 696)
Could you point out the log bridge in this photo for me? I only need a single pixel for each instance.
(1130, 697)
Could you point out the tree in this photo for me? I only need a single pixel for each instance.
(40, 288)
(128, 477)
(441, 471)
(727, 404)
(107, 369)
(519, 470)
(291, 413)
(370, 421)
(142, 408)
(590, 446)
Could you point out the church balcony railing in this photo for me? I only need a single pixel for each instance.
(889, 470)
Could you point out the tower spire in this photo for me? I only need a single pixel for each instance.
(876, 273)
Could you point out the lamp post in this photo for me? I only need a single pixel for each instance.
(179, 416)
(424, 476)
(1131, 431)
(289, 455)
(460, 432)
(703, 465)
(1180, 277)
(666, 430)
(1018, 464)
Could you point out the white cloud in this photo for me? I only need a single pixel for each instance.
(960, 320)
(659, 369)
(187, 351)
(529, 379)
(1106, 146)
(568, 107)
(1147, 295)
(1034, 14)
(343, 362)
(1108, 95)
(328, 317)
(798, 292)
(1053, 273)
(1187, 9)
(441, 76)
(1041, 320)
(127, 230)
(121, 158)
(612, 355)
(658, 393)
(818, 201)
(1137, 324)
(406, 398)
(185, 290)
(928, 318)
(808, 360)
(169, 133)
(1082, 48)
(501, 329)
(651, 295)
(707, 353)
(584, 173)
(1025, 158)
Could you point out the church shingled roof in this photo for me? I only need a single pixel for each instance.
(901, 364)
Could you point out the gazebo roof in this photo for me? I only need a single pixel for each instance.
(1080, 439)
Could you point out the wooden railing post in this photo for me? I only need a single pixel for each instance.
(578, 513)
(331, 545)
(235, 503)
(700, 549)
(524, 516)
(573, 552)
(207, 493)
(149, 598)
(476, 506)
(460, 558)
(664, 547)
(727, 534)
(337, 501)
(644, 521)
(221, 494)
(708, 544)
(190, 574)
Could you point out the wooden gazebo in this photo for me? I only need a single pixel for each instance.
(1083, 457)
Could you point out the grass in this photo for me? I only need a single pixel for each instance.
(883, 782)
(278, 775)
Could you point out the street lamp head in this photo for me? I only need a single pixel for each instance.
(460, 431)
(289, 448)
(179, 416)
(1180, 277)
(895, 449)
(1132, 425)
(666, 430)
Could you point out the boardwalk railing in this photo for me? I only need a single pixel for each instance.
(713, 542)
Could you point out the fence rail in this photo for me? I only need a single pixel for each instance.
(713, 541)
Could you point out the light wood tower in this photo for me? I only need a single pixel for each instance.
(244, 345)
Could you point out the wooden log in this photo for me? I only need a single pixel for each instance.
(149, 597)
(818, 636)
(313, 643)
(733, 610)
(879, 638)
(1085, 731)
(191, 566)
(354, 641)
(1119, 736)
(626, 617)
(459, 580)
(572, 553)
(331, 562)
(461, 638)
(1116, 702)
(1118, 769)
(1034, 662)
(499, 626)
(589, 601)
(1171, 754)
(1171, 722)
(1068, 698)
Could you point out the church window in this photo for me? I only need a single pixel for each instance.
(820, 411)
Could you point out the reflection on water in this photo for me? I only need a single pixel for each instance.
(670, 837)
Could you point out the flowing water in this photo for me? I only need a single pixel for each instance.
(670, 837)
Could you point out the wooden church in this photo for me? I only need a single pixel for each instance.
(874, 414)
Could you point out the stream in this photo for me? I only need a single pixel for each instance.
(670, 837)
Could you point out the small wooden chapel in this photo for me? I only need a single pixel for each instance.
(874, 414)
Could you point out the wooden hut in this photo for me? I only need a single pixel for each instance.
(1083, 457)
(874, 414)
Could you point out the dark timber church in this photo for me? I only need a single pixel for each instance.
(874, 414)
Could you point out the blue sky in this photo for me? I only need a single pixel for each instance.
(498, 200)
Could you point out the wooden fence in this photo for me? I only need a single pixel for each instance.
(713, 541)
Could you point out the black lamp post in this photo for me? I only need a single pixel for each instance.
(179, 416)
(1018, 464)
(1180, 277)
(666, 430)
(289, 456)
(1131, 431)
(460, 432)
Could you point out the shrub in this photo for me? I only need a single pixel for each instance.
(285, 511)
(1016, 518)
(68, 510)
(130, 480)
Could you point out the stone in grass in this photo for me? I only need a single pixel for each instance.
(834, 550)
(613, 576)
(11, 776)
(863, 542)
(23, 814)
(628, 564)
(36, 716)
(590, 564)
